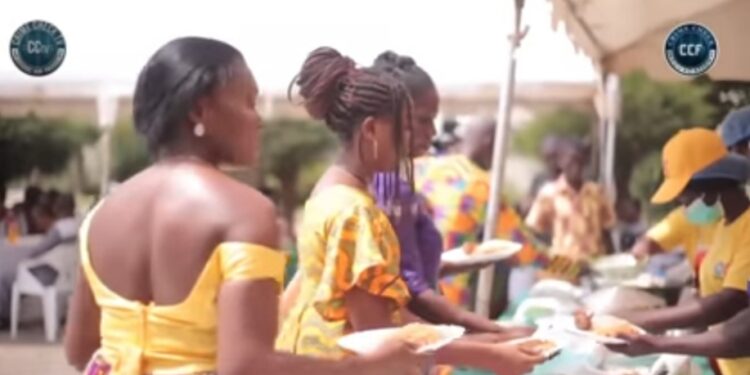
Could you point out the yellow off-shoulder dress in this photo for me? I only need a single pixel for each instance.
(139, 338)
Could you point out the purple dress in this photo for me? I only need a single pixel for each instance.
(420, 241)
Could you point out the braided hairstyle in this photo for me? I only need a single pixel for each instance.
(416, 79)
(336, 91)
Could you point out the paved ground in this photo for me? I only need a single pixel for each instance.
(30, 354)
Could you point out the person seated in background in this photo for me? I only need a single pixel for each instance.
(62, 227)
(575, 212)
(42, 217)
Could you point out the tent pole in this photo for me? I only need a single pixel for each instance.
(486, 276)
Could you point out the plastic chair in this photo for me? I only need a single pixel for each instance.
(64, 259)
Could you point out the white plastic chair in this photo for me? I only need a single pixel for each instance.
(64, 259)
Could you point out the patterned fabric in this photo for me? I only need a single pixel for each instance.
(139, 338)
(576, 219)
(345, 242)
(99, 366)
(457, 191)
(421, 243)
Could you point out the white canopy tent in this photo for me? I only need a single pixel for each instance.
(621, 36)
(625, 35)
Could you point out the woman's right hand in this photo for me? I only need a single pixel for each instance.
(395, 357)
(511, 359)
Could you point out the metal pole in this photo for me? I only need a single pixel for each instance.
(106, 106)
(486, 276)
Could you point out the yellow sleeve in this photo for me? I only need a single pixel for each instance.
(738, 270)
(673, 231)
(361, 251)
(244, 261)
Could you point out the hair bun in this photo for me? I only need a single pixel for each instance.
(390, 60)
(323, 75)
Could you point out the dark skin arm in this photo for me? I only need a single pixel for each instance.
(82, 328)
(702, 312)
(645, 247)
(435, 308)
(730, 341)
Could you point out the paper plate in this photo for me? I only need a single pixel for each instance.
(502, 249)
(549, 353)
(603, 321)
(367, 342)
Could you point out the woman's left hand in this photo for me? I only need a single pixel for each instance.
(636, 345)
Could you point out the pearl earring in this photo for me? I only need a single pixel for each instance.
(199, 130)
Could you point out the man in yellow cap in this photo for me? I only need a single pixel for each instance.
(708, 181)
(675, 231)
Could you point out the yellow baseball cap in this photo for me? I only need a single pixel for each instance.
(687, 153)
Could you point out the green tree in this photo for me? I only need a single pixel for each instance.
(294, 153)
(129, 152)
(563, 122)
(651, 113)
(31, 143)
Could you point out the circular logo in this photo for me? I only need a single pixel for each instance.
(691, 49)
(37, 48)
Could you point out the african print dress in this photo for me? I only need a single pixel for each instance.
(345, 242)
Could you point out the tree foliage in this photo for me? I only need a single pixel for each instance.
(293, 156)
(47, 145)
(129, 152)
(652, 112)
(561, 122)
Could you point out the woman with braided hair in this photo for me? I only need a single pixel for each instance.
(421, 241)
(180, 272)
(349, 253)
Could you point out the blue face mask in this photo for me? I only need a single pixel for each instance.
(699, 213)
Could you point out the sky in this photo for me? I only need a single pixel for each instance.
(460, 43)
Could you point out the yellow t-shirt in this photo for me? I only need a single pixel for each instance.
(727, 265)
(345, 242)
(676, 231)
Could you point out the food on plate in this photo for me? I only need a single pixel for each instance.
(617, 329)
(607, 326)
(491, 247)
(419, 334)
(538, 345)
(470, 248)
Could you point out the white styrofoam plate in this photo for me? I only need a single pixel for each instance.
(366, 342)
(603, 321)
(501, 250)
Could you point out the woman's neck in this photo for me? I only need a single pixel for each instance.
(354, 168)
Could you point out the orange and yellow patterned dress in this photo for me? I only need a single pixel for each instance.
(345, 242)
(457, 191)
